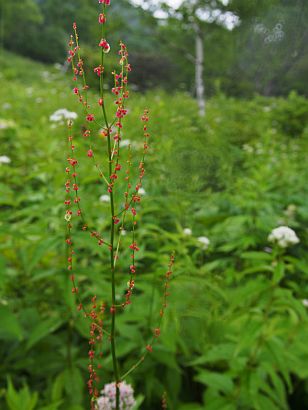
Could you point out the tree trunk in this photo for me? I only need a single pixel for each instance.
(199, 62)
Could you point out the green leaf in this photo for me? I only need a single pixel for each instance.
(263, 402)
(43, 329)
(257, 256)
(256, 269)
(44, 246)
(22, 399)
(219, 381)
(7, 196)
(10, 328)
(165, 357)
(215, 353)
(215, 402)
(58, 387)
(52, 406)
(139, 401)
(279, 272)
(74, 384)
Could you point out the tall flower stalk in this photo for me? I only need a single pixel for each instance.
(112, 131)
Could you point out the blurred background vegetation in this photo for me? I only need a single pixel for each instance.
(235, 332)
(263, 49)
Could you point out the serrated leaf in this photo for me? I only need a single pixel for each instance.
(219, 381)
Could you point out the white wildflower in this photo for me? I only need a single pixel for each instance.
(187, 231)
(305, 302)
(29, 91)
(62, 114)
(104, 198)
(141, 191)
(4, 124)
(125, 143)
(45, 75)
(4, 159)
(248, 148)
(283, 236)
(204, 241)
(123, 232)
(58, 66)
(107, 401)
(104, 403)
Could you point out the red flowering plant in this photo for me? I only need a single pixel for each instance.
(123, 195)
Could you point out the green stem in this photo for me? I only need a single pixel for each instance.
(113, 324)
(112, 264)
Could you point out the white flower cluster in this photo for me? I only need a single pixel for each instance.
(125, 143)
(283, 236)
(4, 124)
(62, 114)
(4, 159)
(203, 240)
(107, 401)
(305, 302)
(104, 198)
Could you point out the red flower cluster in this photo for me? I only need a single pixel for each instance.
(105, 45)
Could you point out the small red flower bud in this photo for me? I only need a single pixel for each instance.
(134, 246)
(102, 18)
(90, 117)
(90, 153)
(157, 332)
(105, 45)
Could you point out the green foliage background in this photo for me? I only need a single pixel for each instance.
(235, 331)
